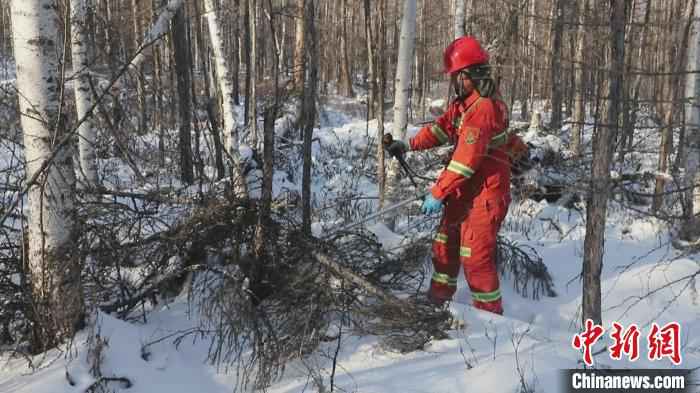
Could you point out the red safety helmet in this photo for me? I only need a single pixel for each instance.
(462, 53)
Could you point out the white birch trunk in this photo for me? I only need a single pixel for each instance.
(83, 94)
(402, 90)
(157, 30)
(692, 119)
(407, 45)
(55, 272)
(460, 28)
(223, 74)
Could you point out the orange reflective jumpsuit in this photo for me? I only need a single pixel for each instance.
(475, 189)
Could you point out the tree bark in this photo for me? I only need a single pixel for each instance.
(247, 59)
(372, 73)
(402, 88)
(690, 229)
(402, 91)
(603, 149)
(182, 71)
(262, 238)
(381, 89)
(555, 78)
(345, 79)
(140, 77)
(236, 65)
(54, 267)
(672, 109)
(579, 86)
(460, 27)
(252, 75)
(83, 94)
(223, 74)
(309, 111)
(156, 31)
(299, 42)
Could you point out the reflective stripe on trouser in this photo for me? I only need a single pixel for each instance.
(467, 237)
(446, 264)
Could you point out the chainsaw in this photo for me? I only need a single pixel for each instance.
(412, 175)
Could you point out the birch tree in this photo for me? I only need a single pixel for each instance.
(407, 45)
(53, 267)
(83, 93)
(402, 87)
(223, 74)
(156, 31)
(690, 230)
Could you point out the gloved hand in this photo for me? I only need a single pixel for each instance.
(395, 148)
(431, 205)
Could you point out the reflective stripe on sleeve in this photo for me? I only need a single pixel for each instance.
(499, 140)
(439, 133)
(460, 169)
(441, 238)
(465, 252)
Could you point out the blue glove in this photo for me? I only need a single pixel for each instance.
(431, 205)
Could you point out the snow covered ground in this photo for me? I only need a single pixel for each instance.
(528, 345)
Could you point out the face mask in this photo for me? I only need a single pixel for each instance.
(485, 87)
(458, 86)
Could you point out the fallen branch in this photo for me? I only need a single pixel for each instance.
(126, 383)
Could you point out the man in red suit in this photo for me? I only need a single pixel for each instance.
(475, 187)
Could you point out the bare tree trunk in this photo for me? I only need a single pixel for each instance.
(252, 74)
(460, 27)
(236, 66)
(54, 267)
(140, 77)
(309, 111)
(208, 94)
(402, 91)
(345, 79)
(269, 132)
(603, 149)
(673, 96)
(283, 43)
(628, 136)
(532, 54)
(156, 31)
(372, 77)
(262, 241)
(381, 89)
(83, 94)
(579, 86)
(182, 70)
(690, 229)
(299, 42)
(555, 70)
(223, 74)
